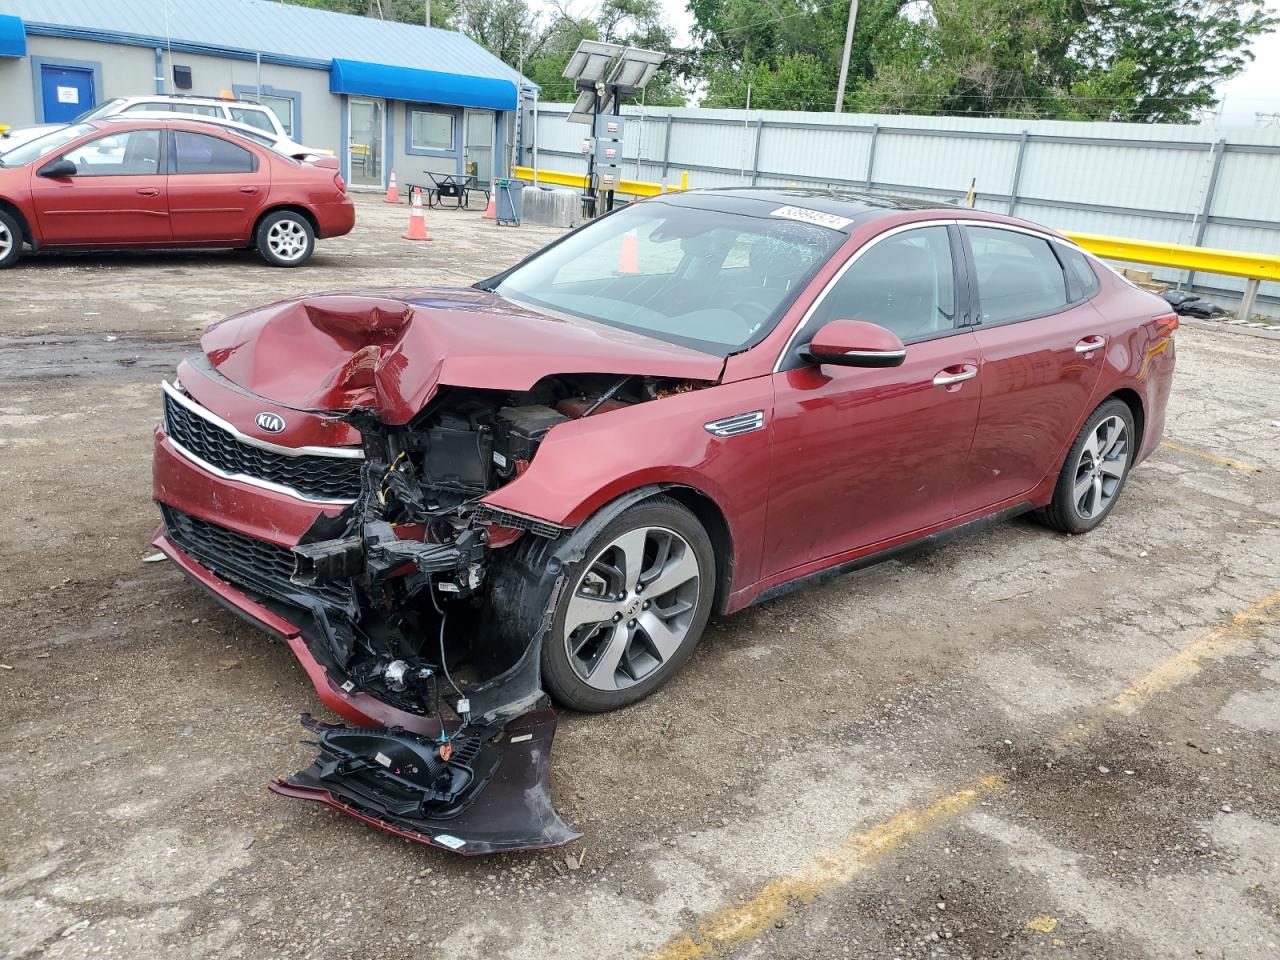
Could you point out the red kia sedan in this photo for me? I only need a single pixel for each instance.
(449, 501)
(117, 183)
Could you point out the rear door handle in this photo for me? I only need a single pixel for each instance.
(248, 189)
(148, 191)
(955, 374)
(1090, 344)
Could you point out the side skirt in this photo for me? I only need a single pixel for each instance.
(871, 559)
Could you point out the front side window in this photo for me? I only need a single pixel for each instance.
(134, 153)
(1018, 275)
(199, 153)
(431, 131)
(904, 283)
(254, 118)
(43, 146)
(713, 280)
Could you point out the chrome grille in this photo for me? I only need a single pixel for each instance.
(312, 477)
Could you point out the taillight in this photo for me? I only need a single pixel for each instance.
(1165, 324)
(339, 183)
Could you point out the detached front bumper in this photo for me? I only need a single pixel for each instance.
(507, 806)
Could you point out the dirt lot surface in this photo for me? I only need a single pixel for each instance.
(1021, 744)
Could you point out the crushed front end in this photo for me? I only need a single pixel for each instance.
(364, 540)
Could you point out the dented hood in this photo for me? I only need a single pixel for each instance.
(392, 350)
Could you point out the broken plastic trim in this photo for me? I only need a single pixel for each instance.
(487, 793)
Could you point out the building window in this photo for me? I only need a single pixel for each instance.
(284, 104)
(431, 131)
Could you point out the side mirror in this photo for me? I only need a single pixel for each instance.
(854, 343)
(57, 169)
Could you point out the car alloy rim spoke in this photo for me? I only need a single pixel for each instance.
(587, 610)
(607, 660)
(676, 572)
(631, 547)
(632, 609)
(664, 637)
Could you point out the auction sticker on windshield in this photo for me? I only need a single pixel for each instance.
(813, 216)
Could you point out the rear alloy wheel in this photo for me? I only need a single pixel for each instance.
(635, 608)
(285, 239)
(10, 240)
(1095, 470)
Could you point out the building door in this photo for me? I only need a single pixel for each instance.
(367, 121)
(67, 92)
(477, 147)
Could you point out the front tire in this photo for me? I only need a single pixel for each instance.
(1095, 470)
(286, 239)
(10, 240)
(633, 608)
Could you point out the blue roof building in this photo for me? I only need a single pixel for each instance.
(380, 95)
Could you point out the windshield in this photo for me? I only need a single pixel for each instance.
(708, 279)
(102, 110)
(40, 146)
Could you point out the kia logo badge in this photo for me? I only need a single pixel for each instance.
(270, 422)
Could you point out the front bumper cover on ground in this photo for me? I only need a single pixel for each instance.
(501, 802)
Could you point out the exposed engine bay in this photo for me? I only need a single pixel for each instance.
(426, 599)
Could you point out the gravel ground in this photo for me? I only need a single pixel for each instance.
(1020, 744)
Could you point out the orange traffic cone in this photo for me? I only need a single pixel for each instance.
(393, 194)
(491, 211)
(417, 221)
(629, 255)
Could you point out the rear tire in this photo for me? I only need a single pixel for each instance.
(286, 239)
(1095, 470)
(10, 240)
(630, 640)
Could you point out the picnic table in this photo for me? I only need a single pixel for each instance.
(451, 189)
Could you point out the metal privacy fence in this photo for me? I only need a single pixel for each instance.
(1201, 185)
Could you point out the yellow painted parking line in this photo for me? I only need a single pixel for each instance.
(46, 441)
(746, 921)
(1211, 457)
(743, 922)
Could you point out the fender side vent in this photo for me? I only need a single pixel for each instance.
(736, 425)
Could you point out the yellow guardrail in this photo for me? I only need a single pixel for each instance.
(632, 188)
(1235, 263)
(1179, 256)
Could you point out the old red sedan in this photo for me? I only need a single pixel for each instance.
(118, 183)
(451, 500)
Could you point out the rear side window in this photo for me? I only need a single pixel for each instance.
(903, 283)
(1082, 282)
(198, 153)
(147, 107)
(1018, 275)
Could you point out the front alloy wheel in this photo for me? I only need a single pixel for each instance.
(634, 609)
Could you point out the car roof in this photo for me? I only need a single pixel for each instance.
(220, 122)
(189, 98)
(851, 206)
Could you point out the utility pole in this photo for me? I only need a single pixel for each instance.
(844, 61)
(426, 14)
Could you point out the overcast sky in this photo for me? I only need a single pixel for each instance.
(1257, 90)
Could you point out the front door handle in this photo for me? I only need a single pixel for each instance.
(953, 375)
(1090, 344)
(148, 191)
(248, 189)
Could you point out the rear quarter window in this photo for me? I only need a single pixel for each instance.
(1082, 280)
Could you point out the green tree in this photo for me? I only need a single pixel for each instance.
(1154, 60)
